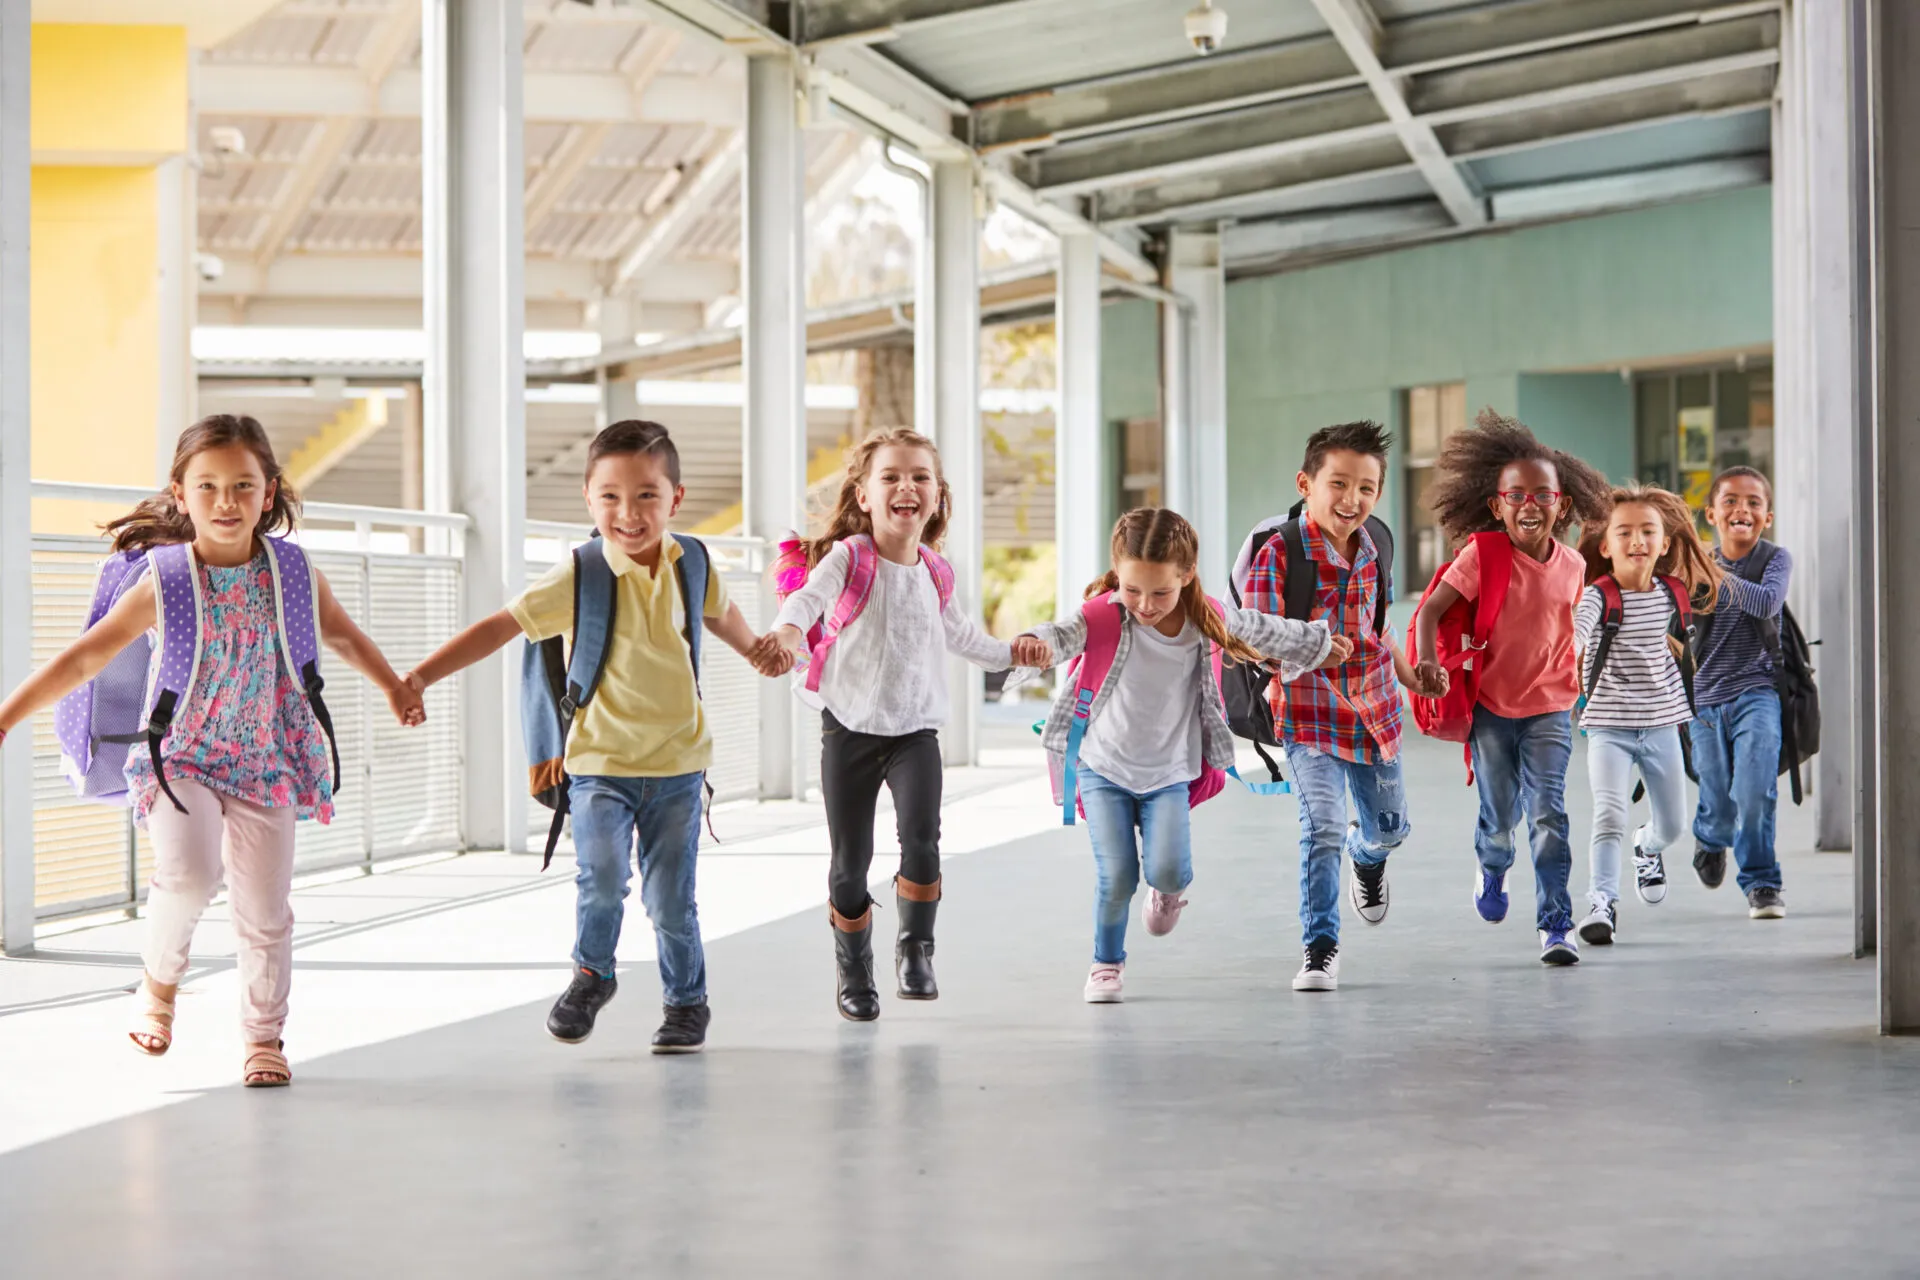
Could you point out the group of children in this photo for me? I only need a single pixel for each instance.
(238, 733)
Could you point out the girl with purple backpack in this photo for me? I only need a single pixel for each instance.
(875, 594)
(237, 750)
(1142, 734)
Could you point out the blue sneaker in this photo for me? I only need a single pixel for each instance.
(1557, 948)
(1490, 895)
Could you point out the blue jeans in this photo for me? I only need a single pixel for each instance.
(1112, 814)
(1521, 764)
(1379, 802)
(1611, 757)
(665, 813)
(1736, 752)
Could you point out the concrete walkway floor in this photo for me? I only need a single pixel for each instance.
(1706, 1098)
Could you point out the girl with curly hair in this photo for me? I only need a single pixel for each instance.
(1632, 630)
(1511, 497)
(878, 676)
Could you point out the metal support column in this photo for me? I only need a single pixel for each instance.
(1794, 443)
(475, 381)
(1832, 313)
(774, 474)
(956, 422)
(1080, 462)
(179, 293)
(16, 455)
(1176, 397)
(1863, 551)
(1196, 271)
(1894, 116)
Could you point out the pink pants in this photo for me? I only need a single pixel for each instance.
(256, 846)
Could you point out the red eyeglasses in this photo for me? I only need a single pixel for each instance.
(1539, 497)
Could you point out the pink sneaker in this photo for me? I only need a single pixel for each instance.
(1163, 912)
(1103, 984)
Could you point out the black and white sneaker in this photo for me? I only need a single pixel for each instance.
(684, 1028)
(1321, 969)
(1369, 891)
(571, 1020)
(1597, 929)
(1649, 873)
(1763, 903)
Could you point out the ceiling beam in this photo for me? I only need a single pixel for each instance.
(397, 276)
(1544, 81)
(1355, 25)
(574, 153)
(1300, 68)
(1286, 237)
(669, 227)
(550, 96)
(1621, 190)
(295, 201)
(828, 20)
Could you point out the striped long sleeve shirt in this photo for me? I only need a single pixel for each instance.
(1735, 658)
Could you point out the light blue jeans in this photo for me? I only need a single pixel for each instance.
(1165, 851)
(608, 813)
(1520, 767)
(1736, 752)
(1379, 802)
(1612, 755)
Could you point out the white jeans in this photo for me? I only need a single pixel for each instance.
(1611, 757)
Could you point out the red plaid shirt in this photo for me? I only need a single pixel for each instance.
(1351, 711)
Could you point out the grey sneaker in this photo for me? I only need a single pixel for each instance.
(1763, 903)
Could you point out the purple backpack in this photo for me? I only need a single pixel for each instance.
(134, 698)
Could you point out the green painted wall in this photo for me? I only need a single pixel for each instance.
(1129, 360)
(1334, 343)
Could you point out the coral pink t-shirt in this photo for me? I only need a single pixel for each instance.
(1529, 667)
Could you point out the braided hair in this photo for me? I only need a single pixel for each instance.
(1155, 535)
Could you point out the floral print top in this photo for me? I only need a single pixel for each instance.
(245, 729)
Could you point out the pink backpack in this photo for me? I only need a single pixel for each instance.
(863, 566)
(1087, 673)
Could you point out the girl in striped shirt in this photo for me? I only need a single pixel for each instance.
(1637, 676)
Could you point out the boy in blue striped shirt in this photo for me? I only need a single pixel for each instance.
(1736, 737)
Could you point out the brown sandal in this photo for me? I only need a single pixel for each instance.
(267, 1068)
(152, 1030)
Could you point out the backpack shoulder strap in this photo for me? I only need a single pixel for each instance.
(296, 613)
(941, 572)
(1681, 628)
(1495, 552)
(1303, 575)
(1612, 611)
(693, 568)
(1383, 571)
(593, 617)
(178, 612)
(1090, 672)
(863, 568)
(1216, 654)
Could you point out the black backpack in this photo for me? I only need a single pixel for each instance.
(1792, 674)
(1243, 685)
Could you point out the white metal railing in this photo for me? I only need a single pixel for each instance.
(400, 788)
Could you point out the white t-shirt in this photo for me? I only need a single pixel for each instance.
(1147, 736)
(887, 671)
(1641, 686)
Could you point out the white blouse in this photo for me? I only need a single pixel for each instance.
(886, 673)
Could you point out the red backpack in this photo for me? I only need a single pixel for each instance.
(1463, 631)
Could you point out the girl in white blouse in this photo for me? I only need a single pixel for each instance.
(882, 693)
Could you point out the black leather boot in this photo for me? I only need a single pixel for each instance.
(855, 995)
(913, 950)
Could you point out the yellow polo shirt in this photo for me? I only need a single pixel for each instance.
(645, 720)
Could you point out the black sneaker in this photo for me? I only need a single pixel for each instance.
(572, 1018)
(1711, 866)
(1320, 971)
(1649, 873)
(1369, 892)
(684, 1029)
(1763, 903)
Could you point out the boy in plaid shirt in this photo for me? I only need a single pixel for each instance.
(1340, 726)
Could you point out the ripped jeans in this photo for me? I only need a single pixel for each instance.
(1380, 804)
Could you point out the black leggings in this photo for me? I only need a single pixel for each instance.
(852, 767)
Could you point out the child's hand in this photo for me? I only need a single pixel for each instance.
(409, 708)
(1338, 652)
(1433, 679)
(1032, 651)
(769, 656)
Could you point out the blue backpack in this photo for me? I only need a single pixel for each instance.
(134, 698)
(556, 685)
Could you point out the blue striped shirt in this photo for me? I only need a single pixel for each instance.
(1735, 659)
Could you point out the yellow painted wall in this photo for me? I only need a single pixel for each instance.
(107, 94)
(96, 334)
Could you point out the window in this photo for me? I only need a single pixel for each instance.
(1690, 426)
(1431, 414)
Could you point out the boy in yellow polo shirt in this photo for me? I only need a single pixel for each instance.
(637, 754)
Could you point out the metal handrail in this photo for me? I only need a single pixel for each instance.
(345, 513)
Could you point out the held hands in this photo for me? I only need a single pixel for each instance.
(1338, 652)
(1031, 651)
(1430, 679)
(405, 699)
(772, 654)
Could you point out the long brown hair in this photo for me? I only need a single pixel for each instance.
(848, 519)
(1156, 535)
(1687, 557)
(159, 519)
